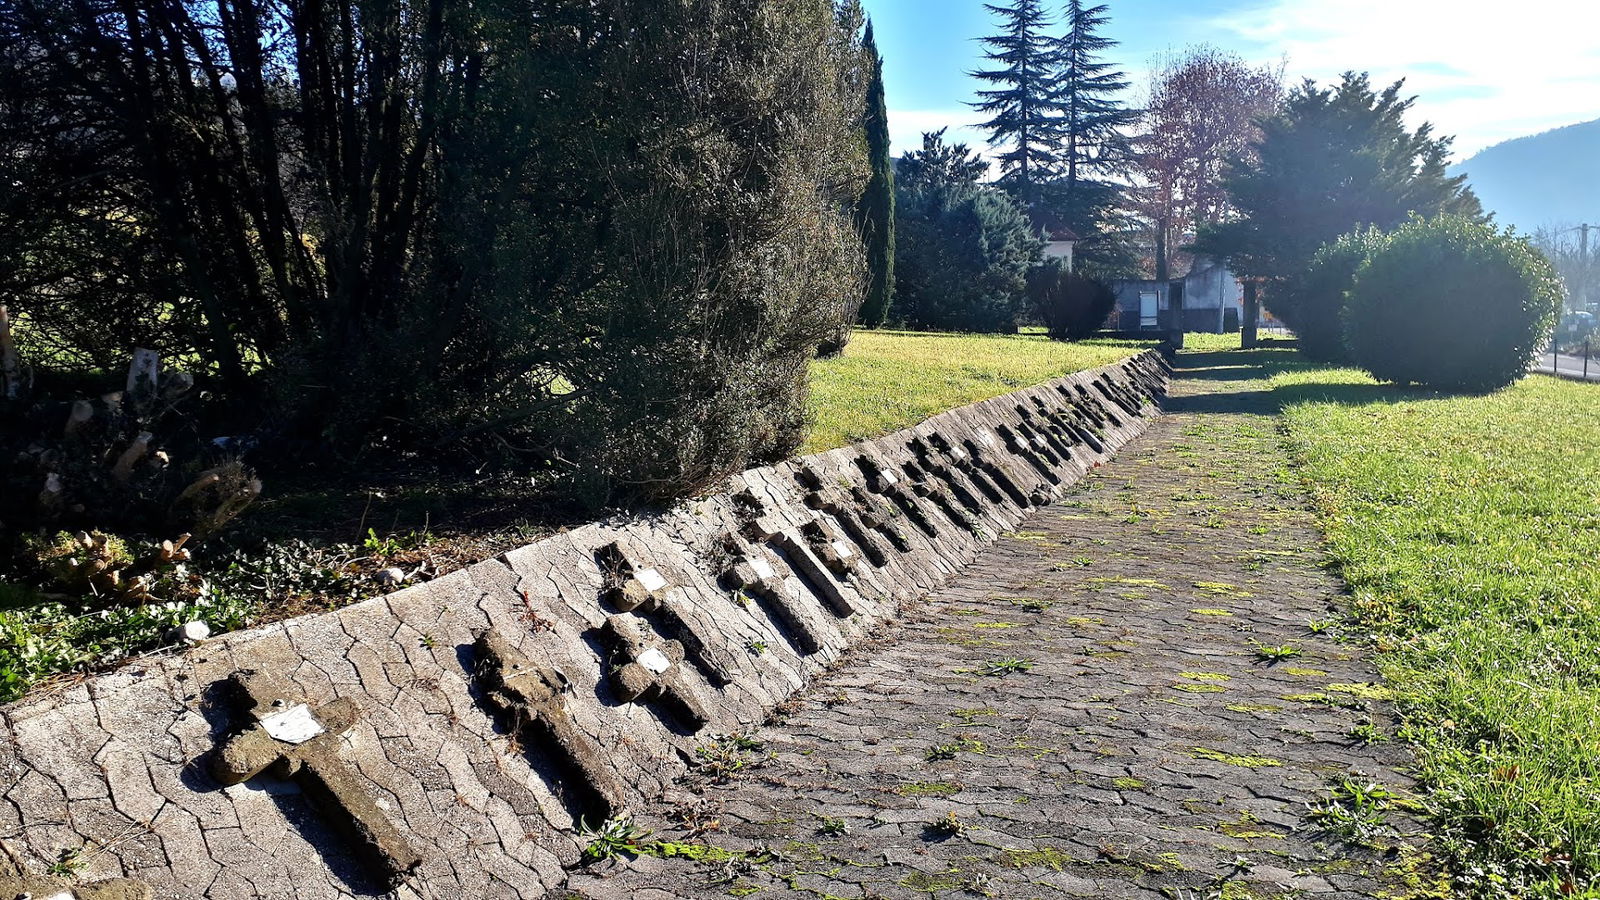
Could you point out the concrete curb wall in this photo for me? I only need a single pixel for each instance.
(471, 721)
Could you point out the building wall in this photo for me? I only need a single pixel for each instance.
(1209, 294)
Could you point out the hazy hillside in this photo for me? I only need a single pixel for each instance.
(1541, 179)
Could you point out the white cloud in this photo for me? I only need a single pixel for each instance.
(1484, 72)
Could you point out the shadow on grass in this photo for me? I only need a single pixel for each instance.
(1248, 368)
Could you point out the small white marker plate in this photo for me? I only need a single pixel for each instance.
(889, 477)
(651, 579)
(844, 550)
(763, 568)
(655, 661)
(294, 725)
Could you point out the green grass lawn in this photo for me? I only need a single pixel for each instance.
(887, 380)
(1469, 530)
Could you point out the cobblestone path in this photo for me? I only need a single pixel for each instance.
(1106, 704)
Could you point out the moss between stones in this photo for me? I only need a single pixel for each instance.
(927, 789)
(1246, 762)
(1042, 858)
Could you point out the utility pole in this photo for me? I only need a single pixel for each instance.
(1583, 268)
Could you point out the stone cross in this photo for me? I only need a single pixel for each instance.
(859, 530)
(629, 586)
(531, 694)
(16, 882)
(766, 580)
(646, 670)
(290, 740)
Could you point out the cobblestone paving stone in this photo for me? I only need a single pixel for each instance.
(1087, 710)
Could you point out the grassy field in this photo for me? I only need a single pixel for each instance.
(886, 380)
(1468, 528)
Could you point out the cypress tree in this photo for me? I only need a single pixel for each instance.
(1023, 110)
(875, 211)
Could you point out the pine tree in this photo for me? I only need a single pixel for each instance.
(1331, 160)
(1092, 120)
(1023, 110)
(875, 211)
(1088, 147)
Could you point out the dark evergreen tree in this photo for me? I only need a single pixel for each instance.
(963, 248)
(1093, 119)
(875, 212)
(1092, 144)
(1334, 159)
(939, 164)
(576, 230)
(1023, 111)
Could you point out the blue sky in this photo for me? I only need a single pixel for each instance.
(1484, 72)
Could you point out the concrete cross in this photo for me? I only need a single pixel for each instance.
(645, 670)
(1057, 425)
(766, 581)
(831, 547)
(882, 480)
(942, 463)
(290, 740)
(633, 585)
(531, 694)
(859, 528)
(941, 487)
(981, 447)
(1029, 446)
(630, 586)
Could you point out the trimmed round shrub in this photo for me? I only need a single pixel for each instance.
(1072, 306)
(1313, 306)
(1451, 303)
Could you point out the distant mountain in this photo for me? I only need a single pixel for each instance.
(1543, 179)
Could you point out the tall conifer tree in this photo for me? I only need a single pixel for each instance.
(875, 211)
(1024, 114)
(1093, 118)
(1092, 144)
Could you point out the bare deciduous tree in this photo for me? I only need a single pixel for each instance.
(1203, 108)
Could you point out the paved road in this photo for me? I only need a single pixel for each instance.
(1569, 366)
(1094, 709)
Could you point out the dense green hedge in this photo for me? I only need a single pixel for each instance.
(1072, 306)
(597, 238)
(1313, 304)
(1453, 304)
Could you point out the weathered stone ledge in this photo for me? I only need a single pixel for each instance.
(471, 722)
